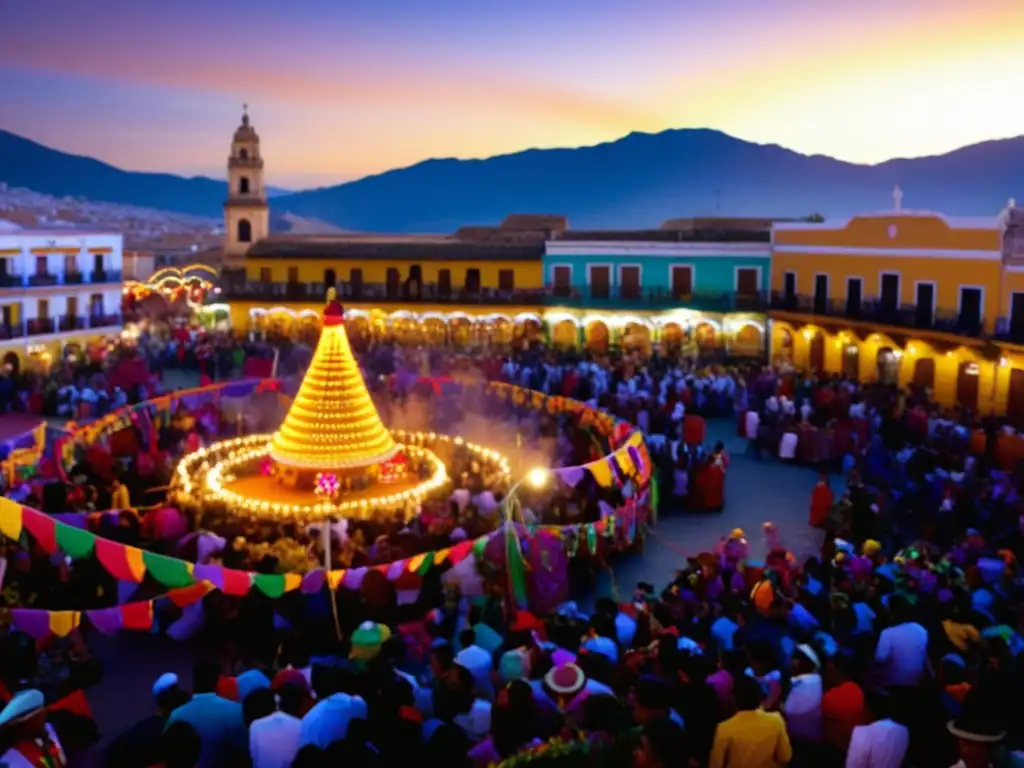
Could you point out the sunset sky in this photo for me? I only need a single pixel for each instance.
(344, 88)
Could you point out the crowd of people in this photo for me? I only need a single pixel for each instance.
(897, 644)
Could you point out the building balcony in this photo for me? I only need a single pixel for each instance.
(41, 326)
(72, 323)
(73, 278)
(11, 281)
(614, 298)
(873, 310)
(105, 276)
(11, 331)
(46, 279)
(104, 321)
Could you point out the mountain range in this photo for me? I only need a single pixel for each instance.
(637, 181)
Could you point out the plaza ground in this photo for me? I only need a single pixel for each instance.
(756, 491)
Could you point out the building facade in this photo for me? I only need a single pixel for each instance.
(58, 290)
(913, 298)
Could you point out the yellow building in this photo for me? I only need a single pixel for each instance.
(908, 297)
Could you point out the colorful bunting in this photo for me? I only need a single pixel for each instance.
(62, 622)
(122, 562)
(270, 584)
(42, 527)
(106, 620)
(137, 616)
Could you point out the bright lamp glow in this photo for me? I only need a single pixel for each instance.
(537, 477)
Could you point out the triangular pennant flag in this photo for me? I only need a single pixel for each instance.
(122, 562)
(270, 584)
(42, 527)
(169, 571)
(138, 616)
(334, 578)
(187, 596)
(74, 542)
(10, 518)
(601, 471)
(62, 622)
(292, 581)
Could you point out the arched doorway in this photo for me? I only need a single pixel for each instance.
(1015, 399)
(816, 350)
(564, 334)
(597, 336)
(637, 337)
(887, 364)
(435, 330)
(503, 331)
(244, 231)
(748, 341)
(851, 361)
(672, 338)
(924, 373)
(967, 386)
(705, 335)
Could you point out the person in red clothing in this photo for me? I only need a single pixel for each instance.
(822, 500)
(842, 705)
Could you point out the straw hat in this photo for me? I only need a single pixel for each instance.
(565, 680)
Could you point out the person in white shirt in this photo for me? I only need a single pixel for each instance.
(751, 424)
(902, 652)
(802, 705)
(274, 739)
(883, 743)
(478, 662)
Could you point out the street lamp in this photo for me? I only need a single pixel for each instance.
(537, 478)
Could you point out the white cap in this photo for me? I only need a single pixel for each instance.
(164, 682)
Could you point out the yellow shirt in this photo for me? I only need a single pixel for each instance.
(961, 635)
(751, 739)
(119, 498)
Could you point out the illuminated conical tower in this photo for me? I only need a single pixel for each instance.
(332, 425)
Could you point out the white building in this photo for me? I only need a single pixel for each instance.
(57, 288)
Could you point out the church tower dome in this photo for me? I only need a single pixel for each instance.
(246, 212)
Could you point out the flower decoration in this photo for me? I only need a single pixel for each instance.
(327, 485)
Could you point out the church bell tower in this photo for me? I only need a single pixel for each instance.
(246, 213)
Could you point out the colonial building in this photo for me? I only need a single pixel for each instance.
(59, 290)
(904, 296)
(691, 280)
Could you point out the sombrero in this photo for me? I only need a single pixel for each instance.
(565, 680)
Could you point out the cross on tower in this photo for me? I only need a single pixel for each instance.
(897, 197)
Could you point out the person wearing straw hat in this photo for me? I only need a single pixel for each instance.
(978, 732)
(27, 740)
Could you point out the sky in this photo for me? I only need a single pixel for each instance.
(340, 89)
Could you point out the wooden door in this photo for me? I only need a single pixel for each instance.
(924, 373)
(472, 280)
(817, 352)
(444, 283)
(330, 278)
(630, 282)
(682, 281)
(854, 296)
(967, 386)
(1015, 399)
(970, 310)
(924, 312)
(890, 294)
(600, 282)
(821, 294)
(562, 277)
(506, 281)
(746, 282)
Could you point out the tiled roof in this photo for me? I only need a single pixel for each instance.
(400, 247)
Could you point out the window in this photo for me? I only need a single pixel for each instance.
(821, 294)
(96, 305)
(854, 296)
(924, 306)
(293, 275)
(444, 283)
(243, 154)
(629, 282)
(330, 278)
(682, 281)
(355, 282)
(72, 306)
(243, 185)
(970, 309)
(244, 231)
(506, 280)
(41, 265)
(393, 284)
(889, 298)
(599, 280)
(97, 262)
(1017, 317)
(562, 278)
(473, 280)
(70, 265)
(44, 309)
(266, 275)
(789, 286)
(747, 279)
